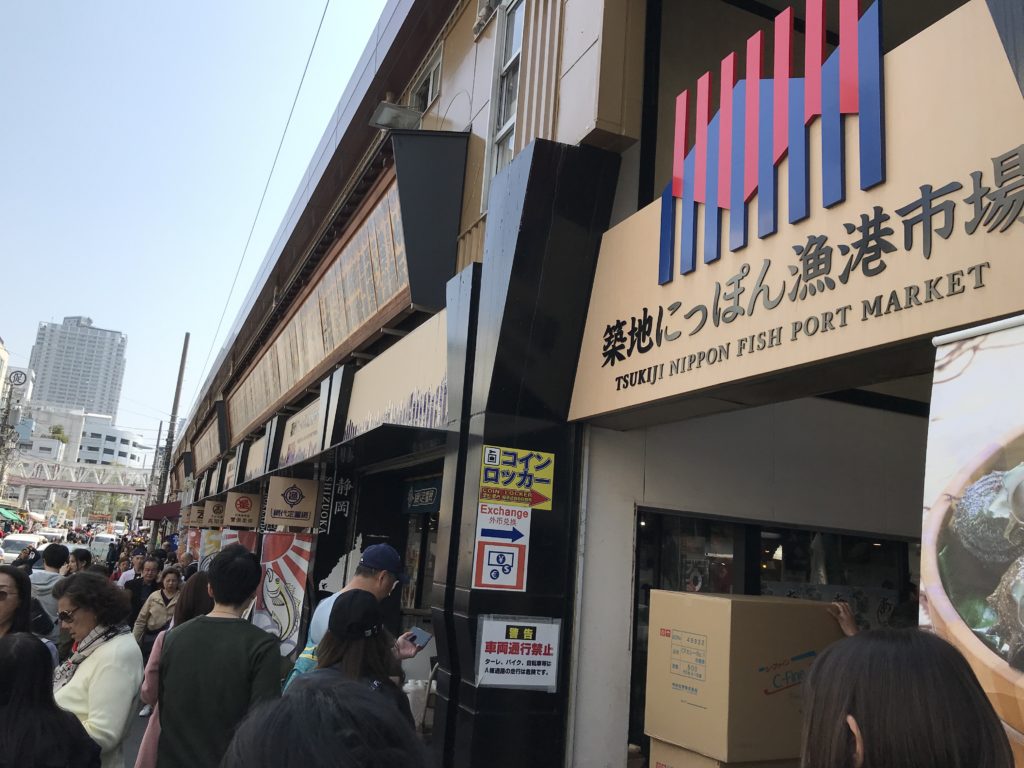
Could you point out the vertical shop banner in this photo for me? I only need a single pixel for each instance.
(292, 502)
(209, 545)
(246, 538)
(286, 560)
(242, 510)
(972, 542)
(192, 541)
(513, 483)
(518, 652)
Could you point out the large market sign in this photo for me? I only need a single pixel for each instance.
(929, 239)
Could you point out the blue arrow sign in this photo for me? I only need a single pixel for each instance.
(498, 533)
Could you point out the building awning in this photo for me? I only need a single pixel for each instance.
(162, 511)
(10, 514)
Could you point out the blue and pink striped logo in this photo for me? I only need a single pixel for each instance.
(760, 120)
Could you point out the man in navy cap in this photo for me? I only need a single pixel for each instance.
(380, 570)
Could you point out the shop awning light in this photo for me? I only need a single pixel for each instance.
(778, 553)
(395, 116)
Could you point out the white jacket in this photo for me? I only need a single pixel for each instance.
(104, 694)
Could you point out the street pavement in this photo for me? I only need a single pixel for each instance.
(133, 740)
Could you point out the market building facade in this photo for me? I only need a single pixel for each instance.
(572, 320)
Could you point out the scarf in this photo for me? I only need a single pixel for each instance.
(83, 650)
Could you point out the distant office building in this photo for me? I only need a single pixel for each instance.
(78, 366)
(103, 443)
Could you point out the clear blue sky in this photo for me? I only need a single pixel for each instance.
(136, 140)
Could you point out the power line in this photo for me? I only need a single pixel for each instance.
(263, 197)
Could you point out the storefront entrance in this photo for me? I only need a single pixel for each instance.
(876, 576)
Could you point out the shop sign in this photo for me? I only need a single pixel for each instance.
(242, 510)
(302, 435)
(509, 483)
(335, 499)
(518, 652)
(936, 246)
(255, 459)
(423, 496)
(197, 516)
(517, 476)
(292, 502)
(215, 514)
(231, 472)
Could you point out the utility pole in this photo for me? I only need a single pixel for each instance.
(152, 474)
(6, 434)
(165, 470)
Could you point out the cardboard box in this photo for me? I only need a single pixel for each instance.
(724, 673)
(665, 755)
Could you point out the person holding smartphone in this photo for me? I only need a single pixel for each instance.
(356, 647)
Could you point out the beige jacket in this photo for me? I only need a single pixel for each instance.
(154, 615)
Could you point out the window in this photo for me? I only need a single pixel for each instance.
(110, 438)
(45, 449)
(92, 448)
(95, 435)
(427, 88)
(123, 454)
(506, 91)
(90, 461)
(125, 441)
(108, 451)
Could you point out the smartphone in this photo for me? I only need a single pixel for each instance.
(420, 636)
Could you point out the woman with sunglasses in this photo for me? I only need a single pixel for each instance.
(34, 731)
(99, 683)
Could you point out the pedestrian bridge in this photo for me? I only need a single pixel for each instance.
(40, 473)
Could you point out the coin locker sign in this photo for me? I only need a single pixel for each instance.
(518, 652)
(513, 482)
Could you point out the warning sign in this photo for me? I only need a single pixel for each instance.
(518, 652)
(517, 476)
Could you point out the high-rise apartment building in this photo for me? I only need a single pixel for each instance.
(78, 366)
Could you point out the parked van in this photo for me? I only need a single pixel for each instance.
(100, 544)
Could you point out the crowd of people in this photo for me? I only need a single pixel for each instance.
(80, 647)
(150, 628)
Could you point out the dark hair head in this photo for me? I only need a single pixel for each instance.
(99, 568)
(88, 590)
(915, 700)
(234, 573)
(194, 599)
(82, 555)
(355, 641)
(343, 725)
(26, 671)
(22, 619)
(31, 716)
(56, 556)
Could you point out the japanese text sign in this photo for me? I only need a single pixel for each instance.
(242, 510)
(517, 476)
(518, 652)
(292, 502)
(934, 246)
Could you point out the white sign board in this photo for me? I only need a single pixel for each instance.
(518, 652)
(502, 547)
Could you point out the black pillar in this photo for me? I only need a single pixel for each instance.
(512, 362)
